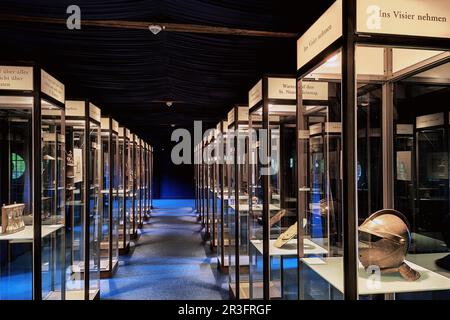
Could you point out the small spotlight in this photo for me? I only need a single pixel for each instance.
(155, 29)
(169, 103)
(172, 125)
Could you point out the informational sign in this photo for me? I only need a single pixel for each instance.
(326, 30)
(430, 120)
(313, 90)
(231, 116)
(115, 126)
(255, 95)
(52, 87)
(78, 165)
(16, 78)
(425, 18)
(105, 123)
(333, 127)
(405, 129)
(315, 129)
(282, 88)
(94, 112)
(75, 108)
(404, 172)
(242, 114)
(303, 134)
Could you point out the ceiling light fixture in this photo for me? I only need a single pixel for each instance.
(155, 28)
(169, 103)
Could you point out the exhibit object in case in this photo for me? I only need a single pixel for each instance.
(109, 235)
(375, 136)
(238, 202)
(32, 184)
(272, 162)
(125, 207)
(84, 180)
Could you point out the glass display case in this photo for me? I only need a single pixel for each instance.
(196, 179)
(210, 183)
(238, 204)
(142, 189)
(222, 198)
(134, 186)
(151, 178)
(146, 181)
(125, 207)
(272, 158)
(109, 235)
(32, 184)
(203, 184)
(375, 147)
(84, 181)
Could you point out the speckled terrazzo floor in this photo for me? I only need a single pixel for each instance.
(169, 261)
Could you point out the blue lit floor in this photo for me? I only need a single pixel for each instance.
(169, 261)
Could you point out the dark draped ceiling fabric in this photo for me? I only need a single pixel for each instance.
(129, 73)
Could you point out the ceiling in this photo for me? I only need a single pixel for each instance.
(129, 73)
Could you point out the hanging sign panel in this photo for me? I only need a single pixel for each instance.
(94, 112)
(75, 108)
(52, 87)
(255, 95)
(423, 18)
(282, 88)
(16, 78)
(326, 30)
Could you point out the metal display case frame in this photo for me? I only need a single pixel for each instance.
(26, 81)
(354, 24)
(110, 136)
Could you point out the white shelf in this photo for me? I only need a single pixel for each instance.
(27, 233)
(258, 207)
(290, 248)
(332, 270)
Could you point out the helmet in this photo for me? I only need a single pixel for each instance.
(384, 242)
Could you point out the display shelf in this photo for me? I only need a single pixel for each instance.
(258, 207)
(331, 270)
(290, 249)
(27, 233)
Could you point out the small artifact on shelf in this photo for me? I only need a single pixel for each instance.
(280, 214)
(69, 159)
(384, 242)
(286, 236)
(12, 218)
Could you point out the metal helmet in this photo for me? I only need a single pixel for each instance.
(384, 242)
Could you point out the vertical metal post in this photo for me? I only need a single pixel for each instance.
(237, 204)
(87, 214)
(36, 187)
(350, 203)
(266, 195)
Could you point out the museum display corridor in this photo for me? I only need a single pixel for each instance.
(169, 260)
(224, 153)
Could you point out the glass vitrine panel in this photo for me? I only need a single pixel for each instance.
(115, 199)
(75, 209)
(16, 152)
(124, 223)
(105, 249)
(129, 185)
(321, 270)
(95, 214)
(409, 257)
(18, 221)
(52, 200)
